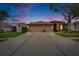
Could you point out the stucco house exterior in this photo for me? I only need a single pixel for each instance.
(41, 26)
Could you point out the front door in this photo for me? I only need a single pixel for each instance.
(55, 27)
(14, 29)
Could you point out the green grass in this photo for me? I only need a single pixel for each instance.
(9, 34)
(68, 34)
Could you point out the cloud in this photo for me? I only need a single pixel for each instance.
(22, 8)
(22, 11)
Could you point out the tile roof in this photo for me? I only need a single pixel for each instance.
(44, 23)
(39, 23)
(56, 21)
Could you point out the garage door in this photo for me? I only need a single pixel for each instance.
(40, 29)
(36, 29)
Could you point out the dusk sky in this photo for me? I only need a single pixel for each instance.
(31, 12)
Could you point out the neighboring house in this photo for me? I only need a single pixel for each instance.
(41, 26)
(19, 27)
(5, 27)
(75, 26)
(13, 27)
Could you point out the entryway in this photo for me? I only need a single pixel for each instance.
(55, 27)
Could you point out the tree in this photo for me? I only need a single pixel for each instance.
(3, 15)
(69, 12)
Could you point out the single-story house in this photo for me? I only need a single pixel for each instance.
(13, 27)
(41, 26)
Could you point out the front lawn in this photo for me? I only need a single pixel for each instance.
(9, 34)
(68, 34)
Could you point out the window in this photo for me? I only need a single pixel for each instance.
(61, 27)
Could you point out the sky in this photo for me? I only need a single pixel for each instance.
(30, 12)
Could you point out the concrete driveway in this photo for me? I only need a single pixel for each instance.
(39, 44)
